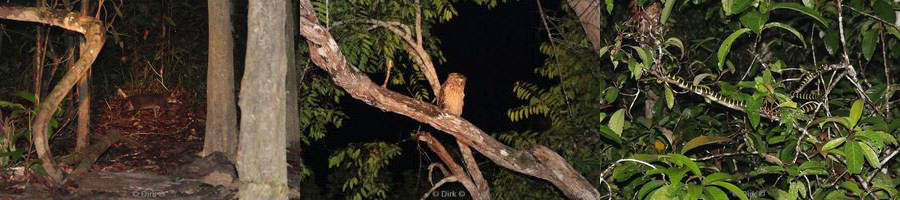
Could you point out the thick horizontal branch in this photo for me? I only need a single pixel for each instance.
(64, 19)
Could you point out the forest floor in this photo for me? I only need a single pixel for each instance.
(152, 142)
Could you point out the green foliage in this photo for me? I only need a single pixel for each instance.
(741, 130)
(364, 163)
(15, 124)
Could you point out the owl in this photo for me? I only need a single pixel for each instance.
(452, 94)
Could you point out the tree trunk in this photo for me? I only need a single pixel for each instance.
(293, 114)
(591, 17)
(221, 110)
(84, 97)
(94, 39)
(261, 161)
(84, 113)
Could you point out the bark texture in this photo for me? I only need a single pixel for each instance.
(292, 112)
(538, 162)
(590, 16)
(221, 108)
(261, 161)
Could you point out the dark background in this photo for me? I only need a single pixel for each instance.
(493, 48)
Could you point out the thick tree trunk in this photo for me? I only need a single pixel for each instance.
(221, 109)
(261, 160)
(293, 112)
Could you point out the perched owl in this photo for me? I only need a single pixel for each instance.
(452, 94)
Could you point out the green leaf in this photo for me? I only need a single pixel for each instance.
(869, 39)
(645, 57)
(854, 157)
(664, 192)
(670, 98)
(648, 187)
(855, 112)
(832, 40)
(735, 190)
(635, 68)
(843, 121)
(682, 160)
(715, 177)
(726, 45)
(754, 20)
(833, 143)
(837, 195)
(667, 9)
(609, 134)
(735, 6)
(672, 41)
(617, 122)
(802, 9)
(714, 193)
(694, 192)
(609, 6)
(870, 155)
(852, 187)
(611, 94)
(788, 28)
(885, 11)
(798, 189)
(702, 140)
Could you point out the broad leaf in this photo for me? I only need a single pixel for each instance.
(694, 192)
(735, 190)
(611, 94)
(802, 9)
(726, 45)
(854, 157)
(870, 155)
(682, 160)
(869, 40)
(667, 9)
(670, 98)
(617, 122)
(714, 193)
(833, 143)
(885, 11)
(855, 112)
(702, 140)
(675, 42)
(788, 28)
(609, 134)
(754, 20)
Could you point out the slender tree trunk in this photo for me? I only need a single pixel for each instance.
(293, 113)
(221, 110)
(261, 161)
(84, 113)
(84, 98)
